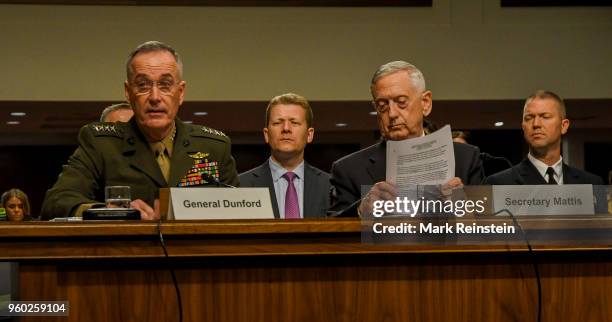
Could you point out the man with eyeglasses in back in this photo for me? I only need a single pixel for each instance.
(153, 150)
(401, 101)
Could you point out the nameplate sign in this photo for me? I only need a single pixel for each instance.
(571, 199)
(220, 203)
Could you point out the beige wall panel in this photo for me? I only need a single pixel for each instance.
(467, 49)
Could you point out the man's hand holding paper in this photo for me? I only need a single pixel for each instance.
(426, 160)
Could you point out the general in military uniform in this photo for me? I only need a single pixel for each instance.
(153, 150)
(114, 154)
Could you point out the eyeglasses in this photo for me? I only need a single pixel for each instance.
(382, 105)
(145, 86)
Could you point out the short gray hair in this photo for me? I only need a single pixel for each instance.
(153, 46)
(399, 65)
(112, 108)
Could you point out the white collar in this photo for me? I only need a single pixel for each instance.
(542, 167)
(278, 171)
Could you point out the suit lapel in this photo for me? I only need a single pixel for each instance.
(377, 171)
(529, 173)
(569, 176)
(311, 178)
(263, 178)
(140, 156)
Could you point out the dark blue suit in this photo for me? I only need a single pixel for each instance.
(526, 173)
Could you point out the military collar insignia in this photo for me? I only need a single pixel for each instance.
(199, 155)
(173, 132)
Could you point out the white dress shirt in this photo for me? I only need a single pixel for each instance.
(542, 167)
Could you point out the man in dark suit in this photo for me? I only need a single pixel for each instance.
(298, 190)
(544, 123)
(401, 102)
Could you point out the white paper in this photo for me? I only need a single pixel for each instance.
(426, 160)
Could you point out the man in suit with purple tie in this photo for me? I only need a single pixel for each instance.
(297, 189)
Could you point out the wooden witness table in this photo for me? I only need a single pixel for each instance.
(306, 270)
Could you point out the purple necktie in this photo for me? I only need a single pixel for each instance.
(292, 206)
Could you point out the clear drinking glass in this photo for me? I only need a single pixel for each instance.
(117, 196)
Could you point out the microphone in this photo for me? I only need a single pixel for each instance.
(486, 156)
(207, 177)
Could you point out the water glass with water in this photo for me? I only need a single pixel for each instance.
(117, 196)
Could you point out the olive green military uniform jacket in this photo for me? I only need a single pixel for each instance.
(118, 154)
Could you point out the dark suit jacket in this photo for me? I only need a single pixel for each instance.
(367, 167)
(316, 188)
(526, 173)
